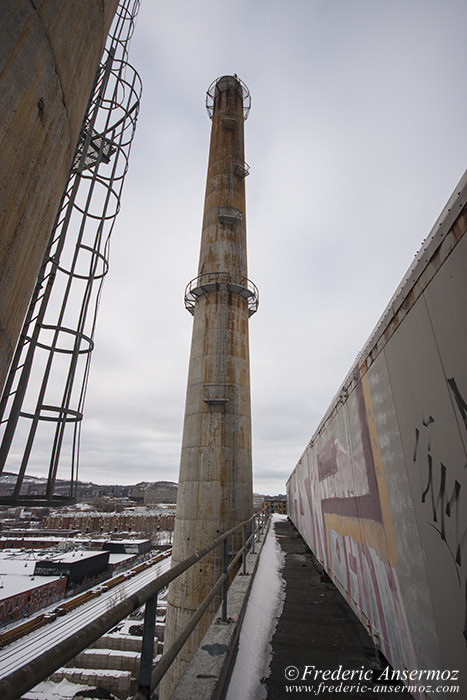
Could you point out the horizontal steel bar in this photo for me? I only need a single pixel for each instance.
(28, 676)
(170, 655)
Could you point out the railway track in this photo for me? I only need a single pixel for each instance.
(22, 643)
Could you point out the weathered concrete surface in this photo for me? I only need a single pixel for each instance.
(215, 482)
(122, 642)
(316, 628)
(49, 54)
(108, 658)
(119, 683)
(380, 492)
(209, 671)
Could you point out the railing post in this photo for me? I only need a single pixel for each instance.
(244, 549)
(225, 583)
(254, 536)
(147, 647)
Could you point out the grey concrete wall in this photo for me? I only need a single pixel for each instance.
(49, 54)
(380, 492)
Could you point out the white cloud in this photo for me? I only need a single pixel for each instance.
(354, 139)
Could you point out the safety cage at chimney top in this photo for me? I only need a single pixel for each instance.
(242, 89)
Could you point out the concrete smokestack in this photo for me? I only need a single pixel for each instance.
(215, 483)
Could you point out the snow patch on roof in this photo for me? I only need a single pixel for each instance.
(48, 690)
(14, 585)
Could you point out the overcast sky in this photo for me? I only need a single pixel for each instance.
(356, 139)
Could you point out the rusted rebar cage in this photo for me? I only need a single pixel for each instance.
(41, 409)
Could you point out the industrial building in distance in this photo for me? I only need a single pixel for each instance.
(47, 555)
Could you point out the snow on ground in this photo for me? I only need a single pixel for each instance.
(20, 652)
(263, 610)
(54, 691)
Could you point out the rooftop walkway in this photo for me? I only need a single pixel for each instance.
(318, 629)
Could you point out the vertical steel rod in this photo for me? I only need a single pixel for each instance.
(244, 549)
(225, 584)
(147, 646)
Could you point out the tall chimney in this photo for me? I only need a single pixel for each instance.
(215, 483)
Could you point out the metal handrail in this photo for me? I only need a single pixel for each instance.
(23, 679)
(170, 655)
(209, 280)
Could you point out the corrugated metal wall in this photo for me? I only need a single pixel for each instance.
(380, 492)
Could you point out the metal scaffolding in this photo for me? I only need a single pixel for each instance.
(41, 409)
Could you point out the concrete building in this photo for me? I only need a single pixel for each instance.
(277, 504)
(22, 593)
(49, 53)
(78, 566)
(127, 546)
(215, 483)
(148, 523)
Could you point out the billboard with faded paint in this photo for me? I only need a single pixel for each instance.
(380, 493)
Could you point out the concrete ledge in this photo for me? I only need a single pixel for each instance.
(120, 683)
(121, 642)
(108, 659)
(209, 672)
